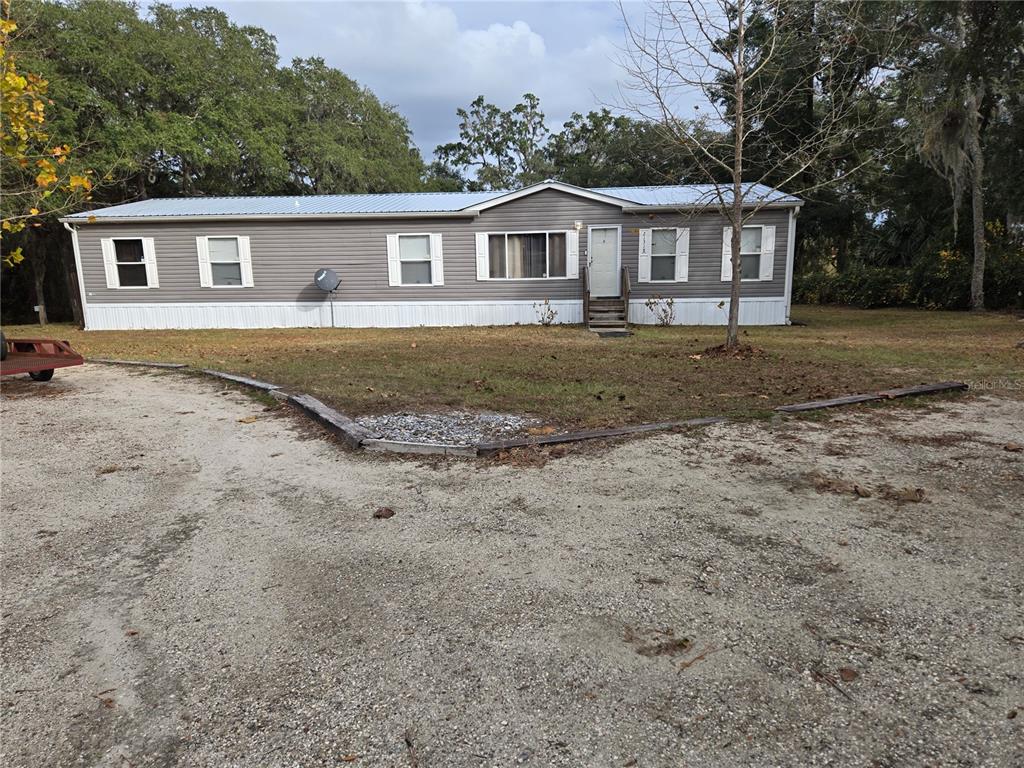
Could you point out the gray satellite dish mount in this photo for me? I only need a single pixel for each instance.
(327, 280)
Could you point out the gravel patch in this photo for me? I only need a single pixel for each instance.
(455, 428)
(190, 580)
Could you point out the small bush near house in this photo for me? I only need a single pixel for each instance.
(664, 310)
(546, 314)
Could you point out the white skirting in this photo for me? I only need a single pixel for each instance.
(753, 311)
(407, 314)
(347, 314)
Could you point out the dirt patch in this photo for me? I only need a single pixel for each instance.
(738, 352)
(233, 601)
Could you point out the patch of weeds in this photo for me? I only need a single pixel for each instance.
(902, 496)
(824, 484)
(750, 457)
(657, 642)
(945, 440)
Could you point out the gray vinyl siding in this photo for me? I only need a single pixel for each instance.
(285, 255)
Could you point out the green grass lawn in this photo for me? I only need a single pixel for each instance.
(570, 377)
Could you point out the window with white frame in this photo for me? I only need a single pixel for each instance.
(129, 262)
(757, 253)
(526, 255)
(224, 261)
(130, 258)
(750, 253)
(663, 255)
(414, 258)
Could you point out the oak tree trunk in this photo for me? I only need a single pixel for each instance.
(38, 278)
(978, 219)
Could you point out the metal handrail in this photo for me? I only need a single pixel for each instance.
(625, 294)
(586, 296)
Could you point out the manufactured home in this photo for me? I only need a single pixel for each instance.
(550, 252)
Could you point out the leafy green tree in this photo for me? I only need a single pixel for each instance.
(340, 137)
(502, 149)
(600, 149)
(959, 79)
(440, 177)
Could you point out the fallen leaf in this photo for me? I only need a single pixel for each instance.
(383, 513)
(351, 758)
(848, 675)
(132, 632)
(248, 420)
(413, 345)
(1013, 447)
(546, 430)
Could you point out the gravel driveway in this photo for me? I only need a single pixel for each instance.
(183, 585)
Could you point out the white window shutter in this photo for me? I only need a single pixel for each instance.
(205, 274)
(727, 254)
(483, 266)
(643, 272)
(767, 253)
(436, 260)
(149, 255)
(109, 263)
(394, 265)
(572, 253)
(682, 255)
(245, 261)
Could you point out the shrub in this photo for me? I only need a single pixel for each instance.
(861, 286)
(936, 279)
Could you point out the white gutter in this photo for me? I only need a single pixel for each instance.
(790, 259)
(78, 269)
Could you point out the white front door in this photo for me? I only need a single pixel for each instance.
(603, 260)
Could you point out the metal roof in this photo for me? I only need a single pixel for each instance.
(684, 195)
(403, 203)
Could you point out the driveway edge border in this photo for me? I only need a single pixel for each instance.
(357, 436)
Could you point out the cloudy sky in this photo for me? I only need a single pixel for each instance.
(429, 58)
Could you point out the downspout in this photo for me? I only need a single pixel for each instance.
(790, 259)
(78, 269)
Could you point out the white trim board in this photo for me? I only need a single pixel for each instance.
(401, 314)
(347, 314)
(773, 310)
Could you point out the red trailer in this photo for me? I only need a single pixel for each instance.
(36, 357)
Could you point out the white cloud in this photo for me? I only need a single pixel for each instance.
(430, 58)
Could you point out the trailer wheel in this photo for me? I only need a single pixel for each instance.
(41, 375)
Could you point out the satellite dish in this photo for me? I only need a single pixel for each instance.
(326, 279)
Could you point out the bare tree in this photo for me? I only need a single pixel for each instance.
(794, 79)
